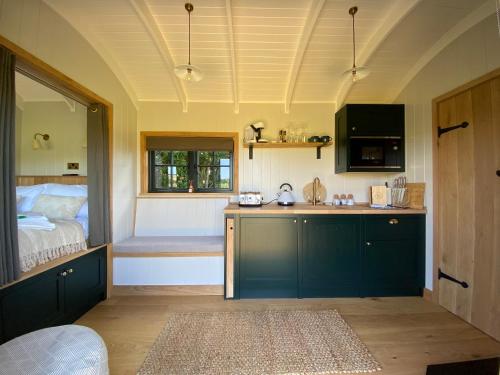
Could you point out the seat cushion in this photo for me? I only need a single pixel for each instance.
(177, 244)
(69, 349)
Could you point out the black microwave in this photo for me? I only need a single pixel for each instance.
(375, 153)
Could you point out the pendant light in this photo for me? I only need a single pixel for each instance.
(356, 72)
(187, 71)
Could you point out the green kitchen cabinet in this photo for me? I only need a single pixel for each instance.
(59, 295)
(330, 256)
(85, 284)
(268, 257)
(393, 255)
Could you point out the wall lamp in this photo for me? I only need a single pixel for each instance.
(35, 144)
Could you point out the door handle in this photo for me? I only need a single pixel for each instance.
(393, 221)
(70, 270)
(63, 274)
(305, 221)
(368, 244)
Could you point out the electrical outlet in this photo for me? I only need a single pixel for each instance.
(73, 165)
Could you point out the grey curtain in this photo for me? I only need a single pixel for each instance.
(9, 248)
(98, 175)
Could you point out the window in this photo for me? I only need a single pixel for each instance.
(173, 162)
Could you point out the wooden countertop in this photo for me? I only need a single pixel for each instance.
(324, 209)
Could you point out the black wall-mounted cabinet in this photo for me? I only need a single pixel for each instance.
(370, 138)
(57, 296)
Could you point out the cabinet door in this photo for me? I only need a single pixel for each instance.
(268, 257)
(32, 304)
(393, 255)
(330, 256)
(85, 283)
(375, 119)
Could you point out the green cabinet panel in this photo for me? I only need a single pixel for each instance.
(53, 297)
(393, 255)
(85, 284)
(268, 257)
(33, 304)
(330, 256)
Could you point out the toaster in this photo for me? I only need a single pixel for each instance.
(250, 199)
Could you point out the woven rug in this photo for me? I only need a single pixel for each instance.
(258, 342)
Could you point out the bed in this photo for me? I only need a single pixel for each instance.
(52, 222)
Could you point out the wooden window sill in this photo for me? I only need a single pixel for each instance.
(185, 195)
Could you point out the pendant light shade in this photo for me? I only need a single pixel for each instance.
(188, 72)
(356, 72)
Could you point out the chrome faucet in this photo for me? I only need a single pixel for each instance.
(316, 184)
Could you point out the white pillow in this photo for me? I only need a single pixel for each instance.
(66, 190)
(29, 195)
(84, 211)
(70, 191)
(58, 206)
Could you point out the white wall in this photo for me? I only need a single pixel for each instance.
(471, 55)
(67, 143)
(269, 167)
(32, 25)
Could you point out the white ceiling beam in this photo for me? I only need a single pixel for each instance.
(149, 22)
(234, 73)
(70, 103)
(312, 18)
(397, 13)
(19, 102)
(478, 15)
(101, 51)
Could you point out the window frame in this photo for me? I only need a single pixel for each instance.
(145, 177)
(193, 173)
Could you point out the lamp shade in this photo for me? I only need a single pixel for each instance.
(357, 73)
(188, 73)
(35, 144)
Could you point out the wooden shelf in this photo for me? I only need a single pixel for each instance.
(287, 145)
(317, 145)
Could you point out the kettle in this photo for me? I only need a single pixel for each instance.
(285, 196)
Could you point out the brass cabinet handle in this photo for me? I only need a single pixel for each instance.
(294, 220)
(70, 270)
(305, 221)
(353, 128)
(368, 244)
(64, 274)
(393, 221)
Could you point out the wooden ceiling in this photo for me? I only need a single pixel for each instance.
(271, 51)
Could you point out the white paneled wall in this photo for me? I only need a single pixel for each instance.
(473, 54)
(180, 217)
(168, 271)
(67, 143)
(34, 26)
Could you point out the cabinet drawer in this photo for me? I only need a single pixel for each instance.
(392, 227)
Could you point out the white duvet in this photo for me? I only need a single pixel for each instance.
(41, 246)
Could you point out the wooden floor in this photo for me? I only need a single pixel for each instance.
(404, 334)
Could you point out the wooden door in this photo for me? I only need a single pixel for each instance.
(468, 209)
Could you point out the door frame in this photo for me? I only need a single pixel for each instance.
(61, 82)
(435, 170)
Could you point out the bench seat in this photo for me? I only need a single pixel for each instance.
(150, 246)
